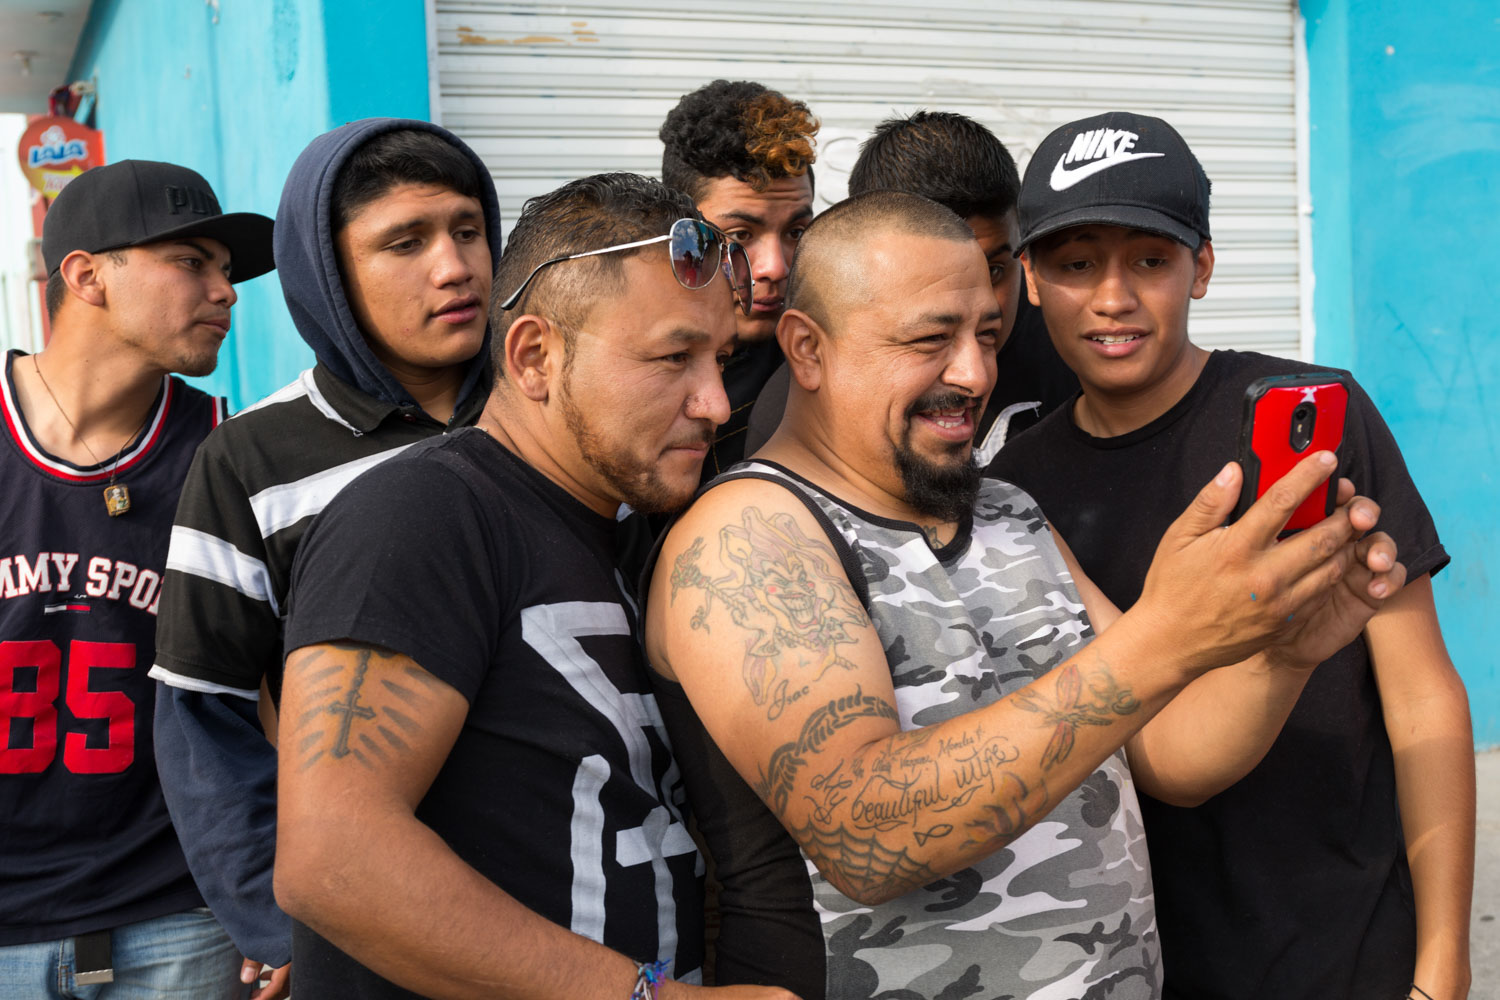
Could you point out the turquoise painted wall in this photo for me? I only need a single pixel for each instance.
(1404, 116)
(235, 89)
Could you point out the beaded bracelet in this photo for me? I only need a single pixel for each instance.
(647, 980)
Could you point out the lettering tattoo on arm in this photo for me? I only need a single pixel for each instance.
(781, 587)
(867, 816)
(348, 712)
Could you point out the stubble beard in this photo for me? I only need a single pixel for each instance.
(638, 484)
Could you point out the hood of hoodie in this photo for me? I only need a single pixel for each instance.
(307, 262)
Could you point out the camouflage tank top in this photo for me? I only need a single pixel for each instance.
(1065, 910)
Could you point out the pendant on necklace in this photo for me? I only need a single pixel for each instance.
(116, 499)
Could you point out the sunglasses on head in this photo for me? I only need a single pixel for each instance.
(689, 245)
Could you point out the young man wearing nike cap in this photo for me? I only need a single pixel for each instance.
(1342, 864)
(95, 895)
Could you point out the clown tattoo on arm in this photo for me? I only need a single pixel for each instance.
(782, 591)
(811, 721)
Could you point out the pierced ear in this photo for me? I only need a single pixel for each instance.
(1203, 269)
(533, 347)
(82, 272)
(803, 341)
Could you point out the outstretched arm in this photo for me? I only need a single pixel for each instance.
(364, 733)
(1427, 718)
(1224, 722)
(753, 615)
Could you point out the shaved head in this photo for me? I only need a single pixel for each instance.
(829, 272)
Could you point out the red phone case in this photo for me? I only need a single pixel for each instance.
(1270, 433)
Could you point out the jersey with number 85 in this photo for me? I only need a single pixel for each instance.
(86, 843)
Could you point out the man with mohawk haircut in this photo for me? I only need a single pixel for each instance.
(744, 154)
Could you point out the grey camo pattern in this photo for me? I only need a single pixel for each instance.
(1066, 911)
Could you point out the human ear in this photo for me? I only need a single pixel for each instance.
(1031, 293)
(1203, 269)
(532, 345)
(82, 273)
(803, 341)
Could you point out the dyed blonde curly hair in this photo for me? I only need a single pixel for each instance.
(778, 138)
(739, 129)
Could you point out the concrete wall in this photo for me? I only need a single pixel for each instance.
(235, 89)
(1404, 115)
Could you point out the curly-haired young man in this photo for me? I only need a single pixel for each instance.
(744, 154)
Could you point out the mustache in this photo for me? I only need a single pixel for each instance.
(705, 437)
(942, 399)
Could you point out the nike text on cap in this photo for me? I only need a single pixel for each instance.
(1117, 169)
(132, 202)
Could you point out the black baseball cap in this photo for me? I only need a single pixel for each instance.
(1117, 169)
(132, 202)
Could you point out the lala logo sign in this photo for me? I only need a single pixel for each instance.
(55, 150)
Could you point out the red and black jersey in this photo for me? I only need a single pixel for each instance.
(85, 841)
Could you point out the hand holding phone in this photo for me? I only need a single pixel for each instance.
(1286, 418)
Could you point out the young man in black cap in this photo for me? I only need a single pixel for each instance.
(744, 154)
(386, 236)
(959, 164)
(1342, 865)
(98, 437)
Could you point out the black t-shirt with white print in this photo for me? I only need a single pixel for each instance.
(560, 788)
(1294, 881)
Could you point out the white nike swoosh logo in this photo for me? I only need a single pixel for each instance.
(1062, 179)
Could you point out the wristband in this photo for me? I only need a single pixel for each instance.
(648, 978)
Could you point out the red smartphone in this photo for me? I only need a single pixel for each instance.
(1287, 418)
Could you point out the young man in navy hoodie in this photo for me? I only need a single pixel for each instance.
(386, 238)
(1342, 864)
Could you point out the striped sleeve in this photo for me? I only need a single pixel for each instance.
(219, 627)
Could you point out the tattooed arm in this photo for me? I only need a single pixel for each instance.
(364, 732)
(752, 613)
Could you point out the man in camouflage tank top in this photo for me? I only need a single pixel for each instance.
(888, 675)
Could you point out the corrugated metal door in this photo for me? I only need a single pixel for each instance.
(548, 92)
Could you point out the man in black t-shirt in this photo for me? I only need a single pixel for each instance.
(476, 794)
(1342, 865)
(744, 154)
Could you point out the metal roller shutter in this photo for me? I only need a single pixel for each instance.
(549, 92)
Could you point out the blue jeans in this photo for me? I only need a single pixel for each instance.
(182, 956)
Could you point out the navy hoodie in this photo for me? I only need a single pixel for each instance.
(215, 642)
(308, 265)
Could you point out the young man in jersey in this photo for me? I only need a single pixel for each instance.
(959, 164)
(744, 154)
(477, 797)
(385, 236)
(1342, 865)
(891, 650)
(98, 435)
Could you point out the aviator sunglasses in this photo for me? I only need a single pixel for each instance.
(689, 244)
